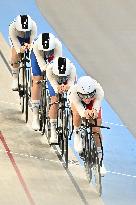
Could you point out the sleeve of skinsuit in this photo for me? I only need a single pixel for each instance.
(33, 31)
(13, 37)
(58, 48)
(99, 97)
(75, 100)
(52, 78)
(39, 56)
(72, 77)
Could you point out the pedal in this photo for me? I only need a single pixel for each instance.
(82, 154)
(21, 93)
(16, 89)
(54, 143)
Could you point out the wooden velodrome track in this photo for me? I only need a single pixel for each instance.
(27, 172)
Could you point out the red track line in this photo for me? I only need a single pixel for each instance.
(12, 160)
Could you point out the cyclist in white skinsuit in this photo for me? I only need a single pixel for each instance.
(85, 98)
(22, 32)
(44, 49)
(62, 76)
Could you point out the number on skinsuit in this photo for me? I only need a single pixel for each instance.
(62, 65)
(45, 40)
(24, 21)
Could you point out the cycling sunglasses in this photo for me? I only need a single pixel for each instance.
(86, 96)
(62, 79)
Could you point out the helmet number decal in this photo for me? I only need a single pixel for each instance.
(45, 40)
(24, 21)
(62, 65)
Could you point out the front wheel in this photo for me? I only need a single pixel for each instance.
(96, 175)
(26, 101)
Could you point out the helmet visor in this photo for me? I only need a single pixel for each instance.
(86, 96)
(62, 79)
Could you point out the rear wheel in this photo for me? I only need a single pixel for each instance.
(66, 135)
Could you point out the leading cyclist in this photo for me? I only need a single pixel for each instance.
(85, 99)
(22, 32)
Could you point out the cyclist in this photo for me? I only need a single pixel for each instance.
(61, 77)
(22, 32)
(85, 98)
(45, 48)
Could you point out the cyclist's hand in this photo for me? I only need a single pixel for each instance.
(93, 113)
(22, 49)
(27, 45)
(86, 113)
(60, 89)
(66, 87)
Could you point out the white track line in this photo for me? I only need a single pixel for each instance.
(116, 124)
(71, 162)
(118, 173)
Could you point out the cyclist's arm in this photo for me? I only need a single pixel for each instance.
(58, 48)
(52, 79)
(13, 37)
(33, 32)
(40, 59)
(74, 99)
(72, 77)
(99, 97)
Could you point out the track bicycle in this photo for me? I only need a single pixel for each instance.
(90, 154)
(24, 82)
(64, 125)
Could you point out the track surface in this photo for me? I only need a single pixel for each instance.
(119, 144)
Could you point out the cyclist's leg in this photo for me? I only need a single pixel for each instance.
(97, 133)
(96, 130)
(98, 138)
(35, 91)
(77, 135)
(53, 113)
(15, 64)
(53, 109)
(98, 141)
(15, 68)
(76, 117)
